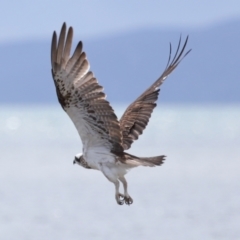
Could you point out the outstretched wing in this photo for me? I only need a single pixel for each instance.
(137, 115)
(82, 97)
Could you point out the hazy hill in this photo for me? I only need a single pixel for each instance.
(127, 63)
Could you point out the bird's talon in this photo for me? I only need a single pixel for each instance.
(128, 200)
(120, 199)
(121, 202)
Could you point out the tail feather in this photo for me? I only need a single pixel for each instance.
(143, 161)
(155, 161)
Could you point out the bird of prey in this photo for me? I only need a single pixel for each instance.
(104, 137)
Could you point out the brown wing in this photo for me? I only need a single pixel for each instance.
(137, 115)
(82, 97)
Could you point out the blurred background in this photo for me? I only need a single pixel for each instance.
(196, 124)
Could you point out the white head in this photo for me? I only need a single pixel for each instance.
(77, 158)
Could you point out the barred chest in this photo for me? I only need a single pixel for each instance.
(83, 163)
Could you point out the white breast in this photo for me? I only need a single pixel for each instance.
(96, 150)
(96, 156)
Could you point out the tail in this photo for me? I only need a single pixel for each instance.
(143, 161)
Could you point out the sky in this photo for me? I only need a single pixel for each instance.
(27, 19)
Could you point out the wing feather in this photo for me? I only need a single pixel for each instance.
(77, 53)
(53, 48)
(68, 46)
(82, 97)
(137, 115)
(61, 43)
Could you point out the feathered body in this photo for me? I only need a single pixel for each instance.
(104, 138)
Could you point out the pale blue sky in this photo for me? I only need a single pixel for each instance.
(27, 19)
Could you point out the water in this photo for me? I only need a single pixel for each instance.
(194, 195)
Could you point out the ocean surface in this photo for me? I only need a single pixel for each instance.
(194, 195)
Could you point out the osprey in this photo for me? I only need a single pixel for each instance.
(104, 137)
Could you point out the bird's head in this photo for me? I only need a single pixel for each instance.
(77, 158)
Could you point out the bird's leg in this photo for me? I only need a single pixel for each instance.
(110, 176)
(128, 200)
(119, 197)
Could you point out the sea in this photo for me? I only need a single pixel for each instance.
(194, 195)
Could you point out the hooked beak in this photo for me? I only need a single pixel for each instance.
(74, 161)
